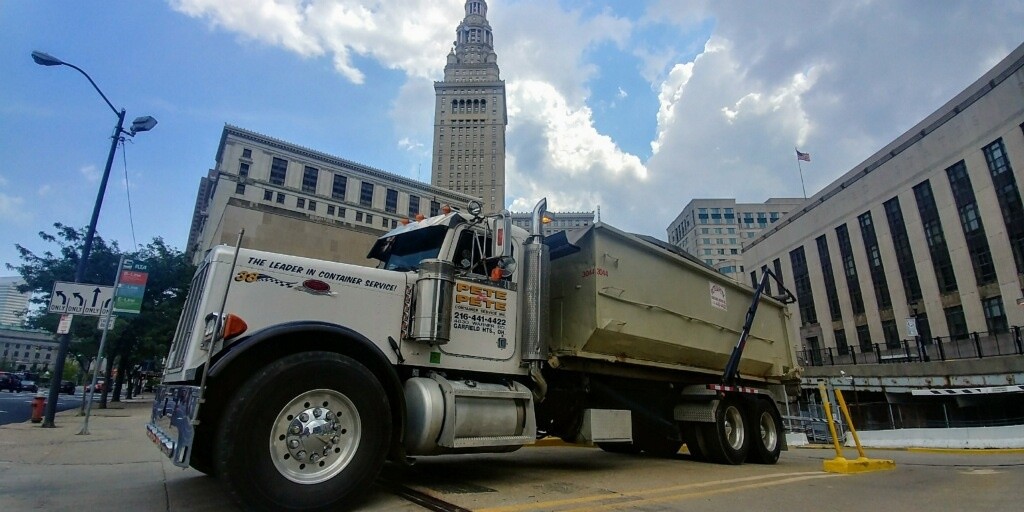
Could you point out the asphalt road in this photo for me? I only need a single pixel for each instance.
(17, 407)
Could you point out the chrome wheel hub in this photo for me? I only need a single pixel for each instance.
(769, 434)
(315, 436)
(734, 427)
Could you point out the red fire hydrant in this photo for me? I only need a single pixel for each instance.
(38, 404)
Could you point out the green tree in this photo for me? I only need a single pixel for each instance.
(134, 339)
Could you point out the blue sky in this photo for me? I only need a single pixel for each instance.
(633, 106)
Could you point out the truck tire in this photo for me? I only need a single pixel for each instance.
(726, 441)
(307, 432)
(765, 429)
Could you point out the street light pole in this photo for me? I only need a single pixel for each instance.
(140, 124)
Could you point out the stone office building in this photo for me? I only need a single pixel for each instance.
(931, 226)
(299, 201)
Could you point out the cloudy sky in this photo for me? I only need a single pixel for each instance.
(632, 106)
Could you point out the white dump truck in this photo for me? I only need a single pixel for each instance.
(294, 379)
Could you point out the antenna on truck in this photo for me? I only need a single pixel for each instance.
(732, 373)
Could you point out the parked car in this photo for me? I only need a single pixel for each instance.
(67, 386)
(30, 386)
(99, 386)
(10, 382)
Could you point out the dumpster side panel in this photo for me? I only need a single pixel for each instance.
(622, 298)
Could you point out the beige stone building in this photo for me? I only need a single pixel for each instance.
(470, 116)
(559, 221)
(716, 230)
(296, 200)
(930, 227)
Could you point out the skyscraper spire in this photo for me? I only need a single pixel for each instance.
(470, 116)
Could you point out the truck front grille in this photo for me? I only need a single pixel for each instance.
(187, 322)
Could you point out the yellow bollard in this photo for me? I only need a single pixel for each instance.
(841, 464)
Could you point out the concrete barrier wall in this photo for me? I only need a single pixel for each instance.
(975, 437)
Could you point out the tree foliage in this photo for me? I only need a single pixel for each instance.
(135, 339)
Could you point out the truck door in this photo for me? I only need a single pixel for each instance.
(484, 312)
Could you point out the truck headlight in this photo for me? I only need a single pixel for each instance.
(232, 326)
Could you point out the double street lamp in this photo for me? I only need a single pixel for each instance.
(140, 124)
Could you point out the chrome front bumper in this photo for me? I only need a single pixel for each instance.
(171, 426)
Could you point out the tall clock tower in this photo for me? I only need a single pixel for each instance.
(470, 116)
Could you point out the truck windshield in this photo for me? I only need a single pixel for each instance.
(405, 251)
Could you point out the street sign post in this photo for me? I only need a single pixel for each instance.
(131, 287)
(79, 298)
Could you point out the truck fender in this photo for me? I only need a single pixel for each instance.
(358, 346)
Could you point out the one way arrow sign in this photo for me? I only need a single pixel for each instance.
(80, 298)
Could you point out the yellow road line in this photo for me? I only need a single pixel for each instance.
(701, 494)
(547, 505)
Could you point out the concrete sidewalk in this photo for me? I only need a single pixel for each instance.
(115, 467)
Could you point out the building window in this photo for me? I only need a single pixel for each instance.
(892, 336)
(309, 177)
(970, 221)
(842, 347)
(864, 338)
(240, 189)
(830, 280)
(366, 195)
(901, 245)
(802, 284)
(384, 222)
(268, 195)
(435, 208)
(300, 202)
(391, 201)
(312, 206)
(246, 153)
(278, 171)
(338, 187)
(1005, 185)
(995, 315)
(877, 270)
(850, 269)
(330, 209)
(369, 218)
(243, 170)
(414, 206)
(359, 216)
(935, 237)
(280, 198)
(956, 323)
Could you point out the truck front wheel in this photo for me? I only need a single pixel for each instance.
(307, 432)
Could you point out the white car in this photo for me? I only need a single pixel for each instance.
(29, 385)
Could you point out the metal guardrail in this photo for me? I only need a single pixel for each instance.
(975, 345)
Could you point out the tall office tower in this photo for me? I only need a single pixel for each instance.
(470, 116)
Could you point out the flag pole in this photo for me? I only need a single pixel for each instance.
(800, 167)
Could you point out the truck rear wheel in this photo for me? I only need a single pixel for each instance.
(726, 441)
(765, 428)
(307, 432)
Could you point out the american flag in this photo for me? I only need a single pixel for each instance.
(806, 157)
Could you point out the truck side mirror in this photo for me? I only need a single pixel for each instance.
(502, 239)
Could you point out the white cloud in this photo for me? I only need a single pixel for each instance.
(44, 190)
(12, 209)
(90, 172)
(412, 35)
(837, 79)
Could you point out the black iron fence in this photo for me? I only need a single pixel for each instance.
(976, 345)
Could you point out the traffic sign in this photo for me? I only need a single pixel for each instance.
(64, 326)
(131, 287)
(80, 298)
(912, 327)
